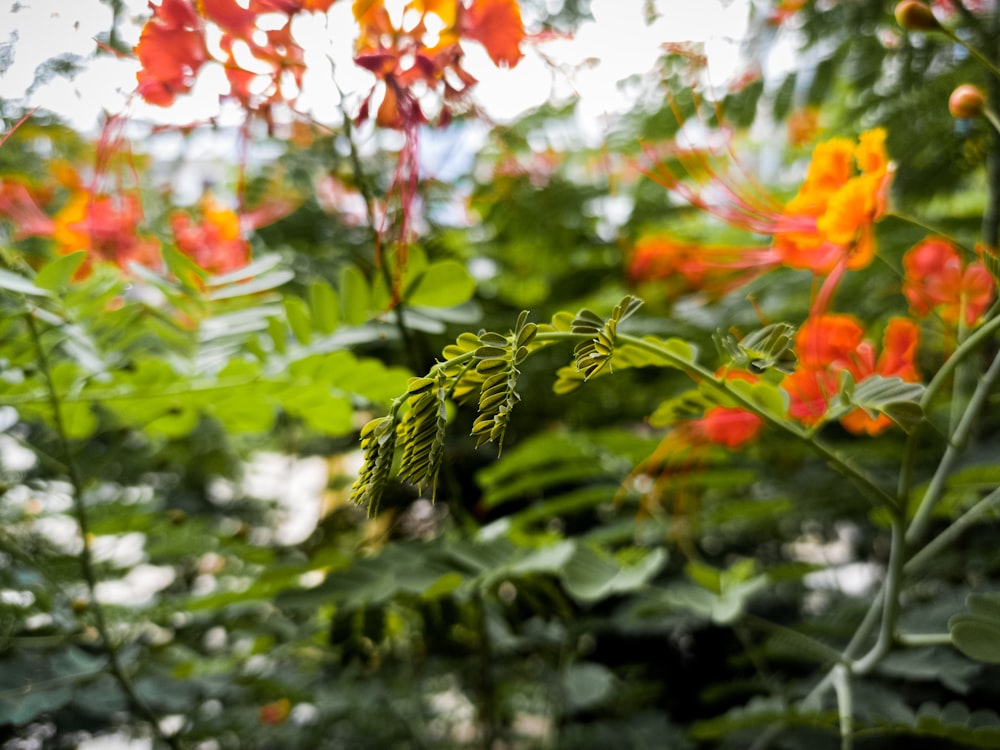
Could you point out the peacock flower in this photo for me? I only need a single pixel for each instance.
(826, 227)
(726, 426)
(828, 345)
(105, 227)
(840, 203)
(172, 49)
(690, 267)
(935, 279)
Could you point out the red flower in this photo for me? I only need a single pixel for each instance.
(830, 344)
(825, 228)
(215, 243)
(685, 268)
(171, 50)
(935, 280)
(727, 426)
(496, 24)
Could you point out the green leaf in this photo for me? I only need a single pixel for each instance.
(894, 397)
(57, 274)
(189, 273)
(252, 286)
(279, 336)
(324, 305)
(587, 685)
(13, 282)
(761, 350)
(766, 396)
(977, 632)
(297, 313)
(355, 295)
(443, 284)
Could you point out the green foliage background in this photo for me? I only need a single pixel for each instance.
(571, 592)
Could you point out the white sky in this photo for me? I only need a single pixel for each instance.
(618, 38)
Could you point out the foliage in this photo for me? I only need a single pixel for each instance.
(318, 465)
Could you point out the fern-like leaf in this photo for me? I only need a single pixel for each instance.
(378, 444)
(593, 355)
(498, 358)
(422, 430)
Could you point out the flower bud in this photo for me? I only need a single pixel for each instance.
(915, 16)
(966, 101)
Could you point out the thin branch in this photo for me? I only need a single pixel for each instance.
(86, 556)
(957, 443)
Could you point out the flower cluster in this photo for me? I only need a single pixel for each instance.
(262, 62)
(422, 51)
(827, 228)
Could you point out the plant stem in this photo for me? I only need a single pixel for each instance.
(918, 640)
(864, 483)
(366, 193)
(980, 57)
(841, 679)
(961, 435)
(964, 350)
(952, 532)
(890, 599)
(86, 557)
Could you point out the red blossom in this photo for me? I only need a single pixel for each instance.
(936, 279)
(689, 267)
(171, 51)
(496, 24)
(730, 427)
(831, 344)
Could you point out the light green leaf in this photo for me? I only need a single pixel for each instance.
(58, 273)
(355, 295)
(977, 632)
(297, 313)
(13, 282)
(586, 685)
(324, 306)
(252, 286)
(442, 284)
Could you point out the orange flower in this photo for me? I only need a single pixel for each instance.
(496, 24)
(171, 50)
(841, 204)
(215, 243)
(826, 227)
(18, 205)
(686, 268)
(934, 279)
(727, 426)
(104, 226)
(428, 52)
(830, 344)
(275, 713)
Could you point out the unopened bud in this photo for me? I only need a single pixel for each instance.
(913, 15)
(966, 101)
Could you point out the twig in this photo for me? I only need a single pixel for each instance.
(86, 557)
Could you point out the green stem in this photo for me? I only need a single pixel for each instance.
(937, 231)
(930, 550)
(956, 445)
(980, 57)
(919, 640)
(940, 379)
(86, 556)
(890, 600)
(841, 679)
(366, 193)
(862, 481)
